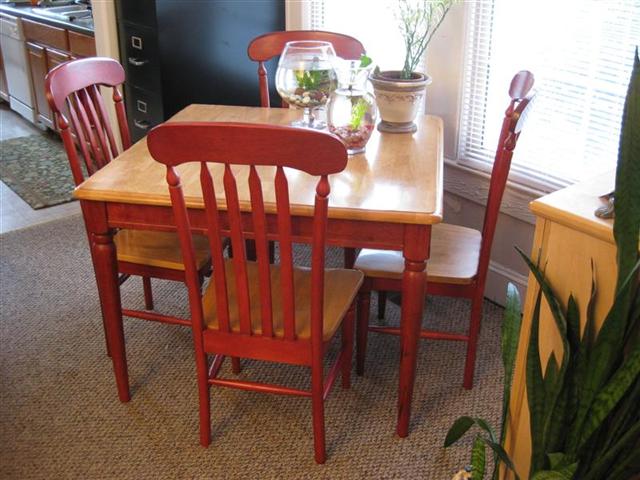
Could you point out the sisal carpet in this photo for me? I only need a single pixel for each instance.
(37, 169)
(60, 417)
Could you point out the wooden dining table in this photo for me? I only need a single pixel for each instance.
(386, 198)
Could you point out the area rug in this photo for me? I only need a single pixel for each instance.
(60, 417)
(37, 169)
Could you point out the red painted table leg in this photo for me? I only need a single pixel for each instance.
(416, 251)
(105, 263)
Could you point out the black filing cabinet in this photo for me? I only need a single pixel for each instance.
(179, 52)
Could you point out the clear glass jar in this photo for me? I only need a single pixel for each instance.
(351, 110)
(305, 78)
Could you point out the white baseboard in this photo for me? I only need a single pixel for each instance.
(498, 278)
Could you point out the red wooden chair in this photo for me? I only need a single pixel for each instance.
(73, 93)
(459, 258)
(257, 310)
(265, 47)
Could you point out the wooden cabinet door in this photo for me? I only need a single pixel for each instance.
(4, 91)
(55, 58)
(38, 64)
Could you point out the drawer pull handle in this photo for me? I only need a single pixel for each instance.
(137, 63)
(141, 106)
(142, 124)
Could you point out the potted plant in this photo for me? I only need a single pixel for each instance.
(583, 406)
(399, 92)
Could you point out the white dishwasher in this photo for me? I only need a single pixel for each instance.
(16, 65)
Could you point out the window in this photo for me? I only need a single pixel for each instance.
(581, 53)
(371, 22)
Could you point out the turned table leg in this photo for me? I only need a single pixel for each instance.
(415, 252)
(105, 263)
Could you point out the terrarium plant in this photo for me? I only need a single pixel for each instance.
(584, 416)
(400, 92)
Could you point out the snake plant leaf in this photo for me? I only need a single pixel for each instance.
(624, 415)
(478, 459)
(554, 386)
(457, 430)
(573, 323)
(605, 355)
(565, 473)
(611, 394)
(626, 228)
(511, 325)
(554, 305)
(559, 420)
(579, 369)
(626, 466)
(557, 460)
(535, 391)
(603, 463)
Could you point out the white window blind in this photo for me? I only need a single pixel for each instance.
(581, 53)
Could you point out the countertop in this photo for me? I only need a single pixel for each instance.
(24, 11)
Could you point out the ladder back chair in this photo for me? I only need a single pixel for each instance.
(459, 259)
(265, 47)
(73, 93)
(255, 309)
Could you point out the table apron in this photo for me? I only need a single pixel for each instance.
(340, 232)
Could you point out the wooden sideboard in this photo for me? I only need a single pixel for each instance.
(567, 237)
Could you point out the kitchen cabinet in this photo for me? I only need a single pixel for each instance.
(4, 91)
(48, 47)
(38, 66)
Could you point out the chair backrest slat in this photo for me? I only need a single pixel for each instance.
(104, 121)
(263, 48)
(215, 243)
(74, 96)
(262, 251)
(76, 112)
(286, 253)
(99, 148)
(239, 252)
(251, 145)
(317, 259)
(522, 97)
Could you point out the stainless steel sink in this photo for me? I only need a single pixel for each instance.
(62, 9)
(69, 13)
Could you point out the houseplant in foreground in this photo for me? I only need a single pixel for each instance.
(584, 416)
(399, 92)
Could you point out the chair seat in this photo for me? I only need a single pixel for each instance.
(158, 249)
(340, 289)
(455, 252)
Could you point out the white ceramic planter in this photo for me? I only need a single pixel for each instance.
(398, 100)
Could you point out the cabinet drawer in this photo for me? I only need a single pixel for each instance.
(46, 34)
(140, 57)
(142, 12)
(144, 111)
(82, 45)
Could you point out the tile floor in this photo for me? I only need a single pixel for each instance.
(15, 213)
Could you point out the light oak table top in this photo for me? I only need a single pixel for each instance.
(398, 179)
